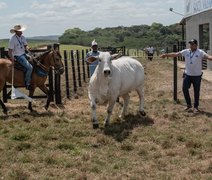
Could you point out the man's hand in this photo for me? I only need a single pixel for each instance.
(91, 59)
(163, 55)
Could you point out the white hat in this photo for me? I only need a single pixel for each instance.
(18, 28)
(94, 43)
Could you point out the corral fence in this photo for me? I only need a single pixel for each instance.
(53, 79)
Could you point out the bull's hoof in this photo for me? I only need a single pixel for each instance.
(95, 126)
(106, 124)
(46, 107)
(5, 112)
(142, 113)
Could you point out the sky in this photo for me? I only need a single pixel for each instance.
(53, 17)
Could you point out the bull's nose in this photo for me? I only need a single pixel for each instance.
(106, 72)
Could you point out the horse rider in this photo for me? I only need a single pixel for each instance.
(17, 51)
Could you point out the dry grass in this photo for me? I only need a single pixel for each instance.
(61, 144)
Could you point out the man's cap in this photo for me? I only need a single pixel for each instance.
(94, 43)
(193, 41)
(18, 28)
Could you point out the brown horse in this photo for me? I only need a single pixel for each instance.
(51, 58)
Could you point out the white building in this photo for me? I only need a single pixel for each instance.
(198, 22)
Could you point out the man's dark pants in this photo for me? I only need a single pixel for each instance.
(196, 81)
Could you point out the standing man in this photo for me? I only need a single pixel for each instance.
(150, 52)
(94, 52)
(193, 71)
(17, 48)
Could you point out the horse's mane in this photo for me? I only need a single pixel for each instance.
(44, 54)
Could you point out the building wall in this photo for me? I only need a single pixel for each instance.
(192, 28)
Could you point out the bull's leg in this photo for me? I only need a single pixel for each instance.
(94, 118)
(48, 93)
(140, 91)
(109, 111)
(126, 98)
(31, 92)
(3, 107)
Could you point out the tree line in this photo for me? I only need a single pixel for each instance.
(138, 36)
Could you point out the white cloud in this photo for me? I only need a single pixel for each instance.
(55, 16)
(25, 15)
(3, 5)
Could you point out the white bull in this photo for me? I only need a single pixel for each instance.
(114, 78)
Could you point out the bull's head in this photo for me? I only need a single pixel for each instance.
(104, 65)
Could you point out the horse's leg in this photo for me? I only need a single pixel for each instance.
(3, 107)
(31, 92)
(48, 93)
(2, 83)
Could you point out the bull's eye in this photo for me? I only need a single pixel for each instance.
(100, 60)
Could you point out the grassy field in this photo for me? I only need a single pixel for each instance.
(60, 143)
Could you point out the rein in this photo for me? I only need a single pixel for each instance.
(39, 62)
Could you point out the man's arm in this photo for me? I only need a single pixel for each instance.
(208, 57)
(173, 54)
(10, 55)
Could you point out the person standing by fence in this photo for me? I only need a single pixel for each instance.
(193, 72)
(94, 52)
(17, 51)
(150, 52)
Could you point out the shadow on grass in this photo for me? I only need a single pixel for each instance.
(121, 130)
(208, 114)
(21, 115)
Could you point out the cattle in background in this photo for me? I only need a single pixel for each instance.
(114, 78)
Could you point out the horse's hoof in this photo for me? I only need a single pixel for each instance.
(95, 126)
(142, 113)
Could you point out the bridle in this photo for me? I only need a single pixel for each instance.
(39, 62)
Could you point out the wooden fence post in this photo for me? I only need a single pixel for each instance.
(73, 71)
(83, 65)
(50, 75)
(175, 74)
(88, 69)
(66, 75)
(78, 69)
(57, 79)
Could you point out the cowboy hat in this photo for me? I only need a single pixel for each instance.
(94, 43)
(18, 28)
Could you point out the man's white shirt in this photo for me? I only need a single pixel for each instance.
(193, 61)
(17, 44)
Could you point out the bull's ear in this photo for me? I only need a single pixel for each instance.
(92, 59)
(115, 56)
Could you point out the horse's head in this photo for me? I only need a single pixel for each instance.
(56, 61)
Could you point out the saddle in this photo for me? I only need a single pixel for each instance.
(34, 61)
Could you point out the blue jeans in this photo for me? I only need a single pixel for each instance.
(196, 81)
(28, 68)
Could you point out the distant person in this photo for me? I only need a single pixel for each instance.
(193, 72)
(17, 51)
(150, 52)
(94, 52)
